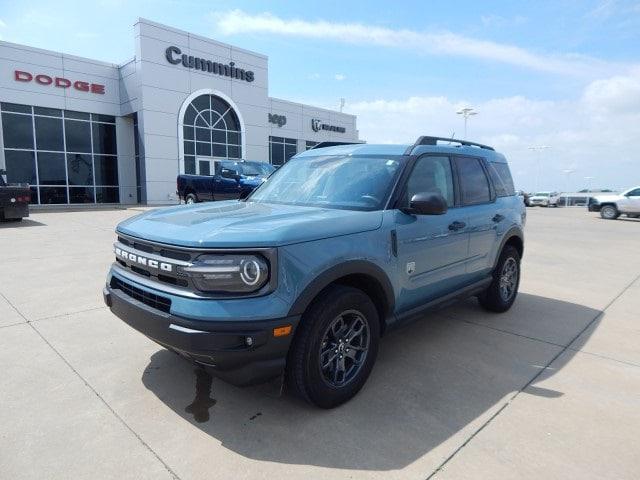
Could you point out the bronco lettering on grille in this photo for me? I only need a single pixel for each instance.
(147, 262)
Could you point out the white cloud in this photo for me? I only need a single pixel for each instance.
(595, 135)
(339, 77)
(493, 20)
(435, 43)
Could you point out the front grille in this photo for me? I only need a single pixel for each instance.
(152, 300)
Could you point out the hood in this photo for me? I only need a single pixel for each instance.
(245, 224)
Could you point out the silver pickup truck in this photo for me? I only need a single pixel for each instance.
(611, 206)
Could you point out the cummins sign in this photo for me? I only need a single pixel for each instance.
(175, 56)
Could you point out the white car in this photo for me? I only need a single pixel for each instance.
(611, 206)
(544, 199)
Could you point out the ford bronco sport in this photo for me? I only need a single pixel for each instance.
(338, 246)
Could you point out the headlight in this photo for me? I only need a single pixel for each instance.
(228, 273)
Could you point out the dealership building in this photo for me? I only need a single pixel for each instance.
(85, 131)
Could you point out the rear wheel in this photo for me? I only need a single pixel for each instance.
(191, 199)
(502, 291)
(609, 212)
(335, 347)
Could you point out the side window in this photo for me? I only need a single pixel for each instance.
(634, 193)
(474, 185)
(501, 178)
(432, 174)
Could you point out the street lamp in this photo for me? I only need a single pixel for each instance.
(466, 113)
(538, 149)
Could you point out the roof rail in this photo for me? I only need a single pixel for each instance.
(426, 140)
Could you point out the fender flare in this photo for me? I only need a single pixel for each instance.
(513, 232)
(351, 267)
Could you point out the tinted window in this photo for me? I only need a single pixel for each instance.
(17, 131)
(473, 181)
(501, 178)
(107, 195)
(634, 193)
(14, 107)
(79, 169)
(78, 115)
(20, 166)
(189, 165)
(104, 138)
(51, 169)
(53, 195)
(431, 175)
(52, 112)
(204, 167)
(81, 195)
(106, 169)
(49, 133)
(78, 136)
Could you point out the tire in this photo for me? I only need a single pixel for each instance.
(609, 212)
(190, 199)
(319, 332)
(499, 297)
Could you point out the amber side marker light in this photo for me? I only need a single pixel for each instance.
(282, 331)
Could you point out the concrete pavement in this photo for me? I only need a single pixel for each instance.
(549, 389)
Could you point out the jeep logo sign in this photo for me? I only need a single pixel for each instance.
(279, 120)
(317, 125)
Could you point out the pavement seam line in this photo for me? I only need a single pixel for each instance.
(530, 382)
(95, 392)
(106, 404)
(508, 332)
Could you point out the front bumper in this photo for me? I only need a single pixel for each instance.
(223, 346)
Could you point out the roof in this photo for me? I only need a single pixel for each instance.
(385, 149)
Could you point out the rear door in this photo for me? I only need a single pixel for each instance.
(478, 204)
(431, 249)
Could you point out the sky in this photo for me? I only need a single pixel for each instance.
(561, 74)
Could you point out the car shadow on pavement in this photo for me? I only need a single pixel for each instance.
(26, 222)
(434, 378)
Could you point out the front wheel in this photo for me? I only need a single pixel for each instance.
(609, 212)
(191, 199)
(335, 347)
(502, 291)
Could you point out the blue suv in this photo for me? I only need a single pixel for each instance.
(304, 276)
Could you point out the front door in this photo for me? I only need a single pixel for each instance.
(432, 249)
(630, 203)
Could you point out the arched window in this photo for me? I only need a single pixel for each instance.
(211, 130)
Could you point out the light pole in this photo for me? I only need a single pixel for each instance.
(466, 113)
(568, 173)
(537, 149)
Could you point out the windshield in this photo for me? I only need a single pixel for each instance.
(347, 182)
(542, 194)
(250, 169)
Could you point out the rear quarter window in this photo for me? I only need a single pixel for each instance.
(501, 178)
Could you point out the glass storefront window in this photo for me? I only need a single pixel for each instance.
(210, 129)
(66, 156)
(281, 150)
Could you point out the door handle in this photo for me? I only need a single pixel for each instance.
(498, 218)
(457, 226)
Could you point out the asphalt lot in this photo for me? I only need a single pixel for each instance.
(550, 389)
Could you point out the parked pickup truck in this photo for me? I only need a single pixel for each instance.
(611, 206)
(14, 200)
(231, 180)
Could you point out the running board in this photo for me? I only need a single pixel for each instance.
(441, 302)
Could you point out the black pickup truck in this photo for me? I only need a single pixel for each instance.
(14, 200)
(222, 180)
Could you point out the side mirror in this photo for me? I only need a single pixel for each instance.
(427, 204)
